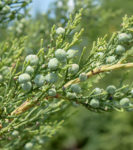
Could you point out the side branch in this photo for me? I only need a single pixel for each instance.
(23, 107)
(27, 104)
(101, 69)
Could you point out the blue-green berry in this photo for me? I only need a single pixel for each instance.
(94, 103)
(51, 77)
(75, 88)
(120, 49)
(28, 146)
(71, 53)
(124, 37)
(71, 95)
(60, 30)
(110, 59)
(26, 86)
(40, 140)
(97, 91)
(74, 69)
(83, 77)
(29, 70)
(33, 59)
(99, 55)
(39, 80)
(15, 133)
(53, 64)
(52, 92)
(60, 54)
(124, 102)
(1, 78)
(23, 78)
(111, 89)
(5, 70)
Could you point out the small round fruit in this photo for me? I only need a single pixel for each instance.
(60, 54)
(52, 92)
(74, 69)
(1, 78)
(15, 133)
(71, 53)
(83, 77)
(41, 140)
(60, 30)
(120, 49)
(75, 88)
(39, 80)
(110, 59)
(29, 70)
(99, 55)
(124, 102)
(94, 103)
(33, 59)
(71, 95)
(111, 89)
(53, 64)
(28, 146)
(97, 91)
(23, 78)
(26, 86)
(5, 70)
(124, 37)
(51, 77)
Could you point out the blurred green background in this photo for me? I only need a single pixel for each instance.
(83, 130)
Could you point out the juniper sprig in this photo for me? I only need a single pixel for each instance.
(35, 87)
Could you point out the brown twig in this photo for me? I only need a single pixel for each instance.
(98, 70)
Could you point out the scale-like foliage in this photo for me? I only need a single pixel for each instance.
(38, 88)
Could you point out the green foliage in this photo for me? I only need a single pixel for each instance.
(10, 10)
(40, 82)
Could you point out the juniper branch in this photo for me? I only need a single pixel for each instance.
(99, 70)
(28, 104)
